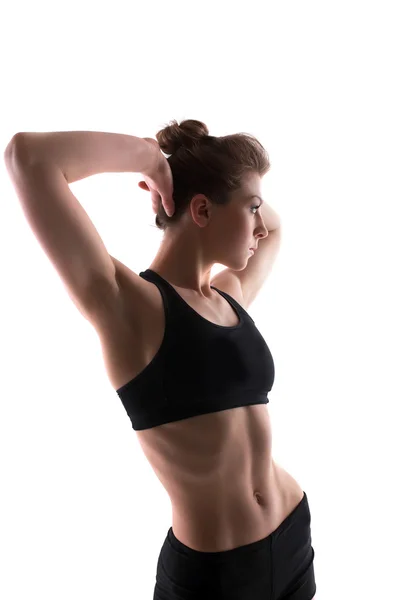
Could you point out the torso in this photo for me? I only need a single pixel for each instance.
(224, 486)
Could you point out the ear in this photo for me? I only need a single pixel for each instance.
(143, 186)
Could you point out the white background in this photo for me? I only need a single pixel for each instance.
(82, 514)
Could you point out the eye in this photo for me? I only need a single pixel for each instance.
(255, 207)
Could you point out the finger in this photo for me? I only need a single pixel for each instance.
(168, 203)
(169, 209)
(155, 197)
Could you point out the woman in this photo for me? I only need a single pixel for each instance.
(186, 359)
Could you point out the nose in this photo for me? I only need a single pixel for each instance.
(261, 232)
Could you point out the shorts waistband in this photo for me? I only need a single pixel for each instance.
(246, 549)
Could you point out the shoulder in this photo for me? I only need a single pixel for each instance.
(227, 282)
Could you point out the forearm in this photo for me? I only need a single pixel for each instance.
(80, 154)
(270, 217)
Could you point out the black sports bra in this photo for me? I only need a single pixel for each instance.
(200, 367)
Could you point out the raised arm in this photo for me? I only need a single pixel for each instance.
(40, 166)
(80, 154)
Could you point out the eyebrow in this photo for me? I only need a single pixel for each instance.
(255, 196)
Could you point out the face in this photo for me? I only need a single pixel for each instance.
(239, 225)
(209, 234)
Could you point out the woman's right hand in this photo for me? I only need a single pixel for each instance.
(158, 180)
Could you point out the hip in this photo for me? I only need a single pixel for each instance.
(280, 564)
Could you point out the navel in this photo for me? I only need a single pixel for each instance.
(259, 498)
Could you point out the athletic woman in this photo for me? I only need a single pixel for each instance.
(180, 348)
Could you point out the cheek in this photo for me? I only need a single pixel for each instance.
(238, 236)
(235, 229)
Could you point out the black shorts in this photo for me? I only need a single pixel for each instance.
(278, 567)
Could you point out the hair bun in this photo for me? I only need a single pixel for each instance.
(186, 134)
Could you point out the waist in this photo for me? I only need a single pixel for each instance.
(222, 517)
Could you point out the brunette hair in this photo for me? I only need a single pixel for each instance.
(204, 164)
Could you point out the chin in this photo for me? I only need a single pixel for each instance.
(239, 266)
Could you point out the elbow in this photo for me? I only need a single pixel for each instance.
(15, 149)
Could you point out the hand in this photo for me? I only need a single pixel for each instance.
(158, 180)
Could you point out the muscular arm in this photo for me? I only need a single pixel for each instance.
(80, 154)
